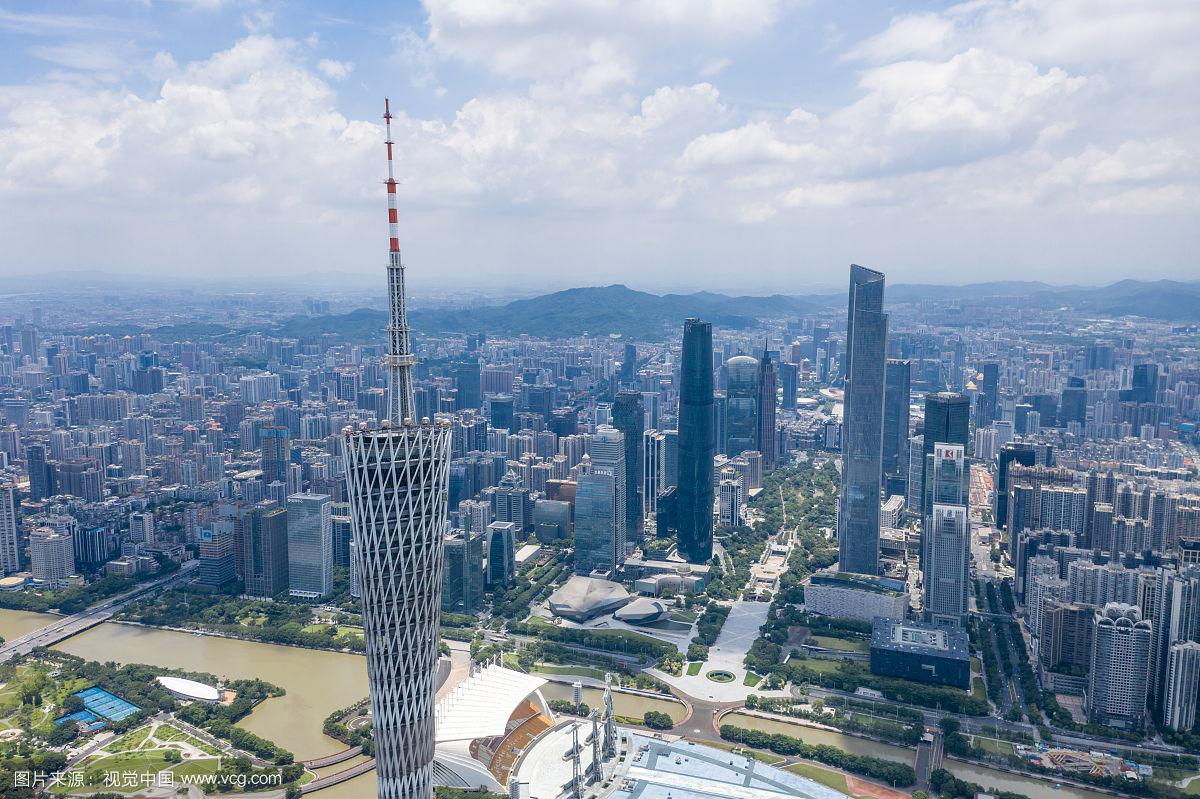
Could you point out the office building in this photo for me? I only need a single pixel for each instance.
(462, 573)
(741, 405)
(398, 487)
(768, 386)
(693, 511)
(921, 652)
(629, 417)
(598, 544)
(1118, 676)
(309, 545)
(276, 453)
(501, 545)
(947, 562)
(897, 382)
(265, 558)
(862, 436)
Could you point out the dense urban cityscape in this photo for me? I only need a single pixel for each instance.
(282, 518)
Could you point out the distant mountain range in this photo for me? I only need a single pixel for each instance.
(621, 311)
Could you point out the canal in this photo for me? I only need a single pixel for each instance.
(987, 777)
(631, 705)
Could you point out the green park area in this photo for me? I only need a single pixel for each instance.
(148, 750)
(32, 695)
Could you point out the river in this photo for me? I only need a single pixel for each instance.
(987, 777)
(15, 623)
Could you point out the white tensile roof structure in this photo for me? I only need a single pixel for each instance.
(481, 705)
(189, 689)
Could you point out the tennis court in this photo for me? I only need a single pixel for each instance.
(102, 703)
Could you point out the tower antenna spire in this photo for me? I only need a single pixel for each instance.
(399, 359)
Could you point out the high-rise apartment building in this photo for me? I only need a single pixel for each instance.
(1181, 685)
(309, 545)
(1117, 678)
(10, 541)
(862, 432)
(51, 557)
(501, 545)
(694, 495)
(276, 453)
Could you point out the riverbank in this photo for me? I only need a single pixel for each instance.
(205, 632)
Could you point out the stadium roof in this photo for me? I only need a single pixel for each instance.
(481, 706)
(583, 598)
(190, 689)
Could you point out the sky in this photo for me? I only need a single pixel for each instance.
(736, 145)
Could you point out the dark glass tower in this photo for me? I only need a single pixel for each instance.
(895, 417)
(768, 382)
(989, 394)
(947, 421)
(629, 416)
(694, 498)
(862, 437)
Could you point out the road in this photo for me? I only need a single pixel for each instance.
(68, 626)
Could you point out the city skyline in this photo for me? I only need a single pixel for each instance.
(970, 140)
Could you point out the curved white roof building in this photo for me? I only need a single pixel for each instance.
(583, 598)
(189, 690)
(484, 724)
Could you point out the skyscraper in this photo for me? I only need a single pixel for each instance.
(40, 475)
(693, 510)
(467, 381)
(10, 543)
(629, 417)
(1116, 692)
(597, 543)
(741, 408)
(862, 436)
(462, 574)
(501, 548)
(398, 486)
(947, 541)
(989, 394)
(897, 385)
(265, 550)
(276, 453)
(1182, 684)
(768, 383)
(309, 545)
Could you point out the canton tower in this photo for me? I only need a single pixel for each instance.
(397, 482)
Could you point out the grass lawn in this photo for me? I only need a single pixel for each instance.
(582, 671)
(207, 766)
(839, 644)
(752, 679)
(94, 769)
(130, 740)
(1193, 788)
(167, 732)
(827, 777)
(822, 666)
(684, 616)
(992, 745)
(694, 668)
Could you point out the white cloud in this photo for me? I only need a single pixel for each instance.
(335, 70)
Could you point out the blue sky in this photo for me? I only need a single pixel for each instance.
(727, 144)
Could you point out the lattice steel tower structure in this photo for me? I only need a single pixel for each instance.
(398, 485)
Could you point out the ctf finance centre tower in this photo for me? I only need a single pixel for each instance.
(862, 428)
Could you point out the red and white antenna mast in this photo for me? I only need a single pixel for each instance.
(399, 359)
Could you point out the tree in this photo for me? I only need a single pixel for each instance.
(657, 720)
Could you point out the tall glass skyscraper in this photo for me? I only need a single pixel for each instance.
(896, 417)
(694, 495)
(309, 545)
(768, 385)
(862, 433)
(741, 405)
(629, 416)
